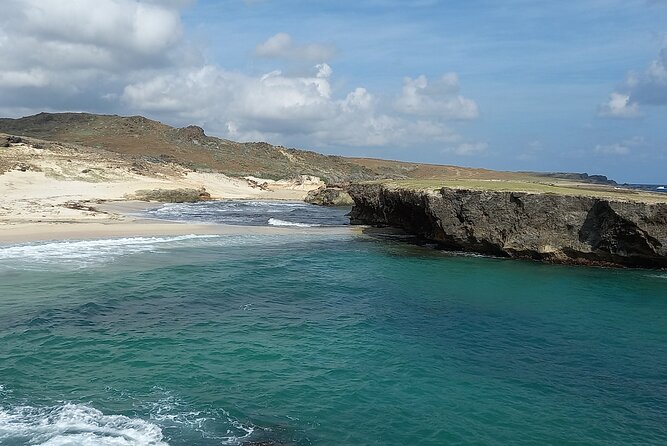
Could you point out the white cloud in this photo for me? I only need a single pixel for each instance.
(281, 46)
(646, 88)
(619, 106)
(34, 77)
(130, 56)
(468, 149)
(71, 32)
(439, 98)
(75, 47)
(621, 148)
(612, 149)
(275, 106)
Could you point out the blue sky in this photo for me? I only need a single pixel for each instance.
(516, 85)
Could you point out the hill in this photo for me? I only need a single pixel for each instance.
(145, 140)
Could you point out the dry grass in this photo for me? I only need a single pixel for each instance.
(150, 146)
(538, 187)
(141, 139)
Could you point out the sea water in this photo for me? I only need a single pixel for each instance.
(323, 339)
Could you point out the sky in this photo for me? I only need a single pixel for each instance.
(577, 86)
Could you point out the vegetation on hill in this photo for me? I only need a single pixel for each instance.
(149, 142)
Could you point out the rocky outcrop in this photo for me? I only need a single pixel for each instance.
(580, 177)
(184, 195)
(329, 196)
(549, 227)
(9, 140)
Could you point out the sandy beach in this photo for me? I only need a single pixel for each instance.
(34, 232)
(68, 194)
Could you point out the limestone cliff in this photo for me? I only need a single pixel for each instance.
(329, 196)
(550, 227)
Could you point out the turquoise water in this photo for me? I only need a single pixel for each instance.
(337, 339)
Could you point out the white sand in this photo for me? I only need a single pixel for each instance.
(51, 199)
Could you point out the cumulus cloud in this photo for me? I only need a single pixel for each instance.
(112, 35)
(620, 106)
(71, 55)
(131, 56)
(646, 88)
(439, 98)
(275, 106)
(281, 46)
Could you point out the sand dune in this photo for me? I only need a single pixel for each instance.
(61, 184)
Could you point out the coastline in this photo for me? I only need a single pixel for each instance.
(121, 223)
(567, 229)
(56, 192)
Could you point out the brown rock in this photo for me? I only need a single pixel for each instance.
(549, 227)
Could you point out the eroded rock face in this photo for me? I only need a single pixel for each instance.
(556, 228)
(329, 196)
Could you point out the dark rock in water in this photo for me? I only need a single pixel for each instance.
(549, 227)
(329, 196)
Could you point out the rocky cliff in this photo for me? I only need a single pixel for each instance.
(329, 196)
(549, 227)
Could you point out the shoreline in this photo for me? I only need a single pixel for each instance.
(121, 224)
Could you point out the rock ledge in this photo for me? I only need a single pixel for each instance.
(548, 227)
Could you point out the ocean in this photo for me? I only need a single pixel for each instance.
(661, 188)
(339, 338)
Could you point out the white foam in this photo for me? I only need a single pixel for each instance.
(278, 222)
(171, 411)
(85, 252)
(76, 424)
(288, 204)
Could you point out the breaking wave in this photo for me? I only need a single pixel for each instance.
(75, 424)
(250, 213)
(279, 222)
(85, 252)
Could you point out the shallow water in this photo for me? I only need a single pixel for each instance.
(252, 213)
(323, 340)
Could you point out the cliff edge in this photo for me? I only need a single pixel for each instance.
(540, 226)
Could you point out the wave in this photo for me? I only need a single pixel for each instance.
(170, 411)
(278, 222)
(75, 424)
(79, 424)
(85, 252)
(276, 204)
(249, 213)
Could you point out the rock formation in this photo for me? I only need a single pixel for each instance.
(183, 195)
(329, 196)
(549, 227)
